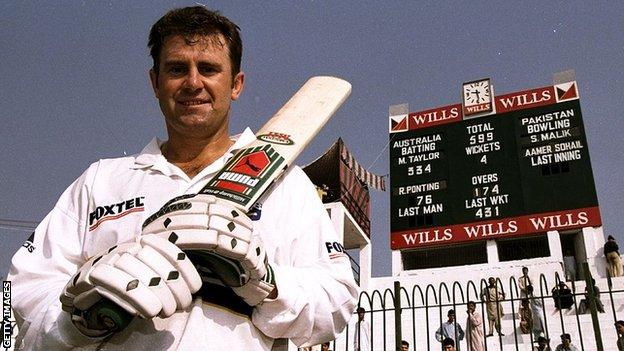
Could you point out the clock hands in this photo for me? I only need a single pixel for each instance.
(476, 92)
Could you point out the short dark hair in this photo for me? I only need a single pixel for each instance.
(566, 336)
(450, 312)
(448, 342)
(192, 21)
(620, 322)
(471, 303)
(403, 342)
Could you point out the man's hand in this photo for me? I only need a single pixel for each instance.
(220, 238)
(146, 278)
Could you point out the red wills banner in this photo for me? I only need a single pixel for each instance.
(525, 99)
(433, 117)
(498, 228)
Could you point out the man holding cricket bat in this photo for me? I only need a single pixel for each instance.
(224, 266)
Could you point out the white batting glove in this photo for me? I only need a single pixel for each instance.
(146, 278)
(219, 237)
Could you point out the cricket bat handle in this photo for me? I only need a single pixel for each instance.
(109, 315)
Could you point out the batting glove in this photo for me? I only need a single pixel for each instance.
(220, 239)
(146, 278)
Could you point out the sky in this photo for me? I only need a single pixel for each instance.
(75, 85)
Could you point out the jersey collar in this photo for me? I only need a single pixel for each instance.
(151, 156)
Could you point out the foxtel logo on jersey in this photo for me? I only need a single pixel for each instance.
(276, 138)
(115, 211)
(335, 249)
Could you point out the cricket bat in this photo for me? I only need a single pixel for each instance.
(252, 170)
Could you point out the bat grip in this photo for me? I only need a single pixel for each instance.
(108, 315)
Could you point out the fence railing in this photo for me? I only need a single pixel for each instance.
(415, 313)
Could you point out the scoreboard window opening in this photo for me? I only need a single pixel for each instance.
(556, 168)
(457, 255)
(523, 248)
(421, 220)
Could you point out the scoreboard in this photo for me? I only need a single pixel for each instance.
(521, 168)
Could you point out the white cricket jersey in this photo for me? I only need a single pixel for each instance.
(107, 206)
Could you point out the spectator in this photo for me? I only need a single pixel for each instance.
(361, 339)
(474, 328)
(493, 296)
(449, 329)
(448, 344)
(537, 311)
(526, 316)
(543, 344)
(524, 281)
(404, 345)
(562, 295)
(569, 265)
(566, 343)
(584, 305)
(325, 346)
(619, 328)
(611, 252)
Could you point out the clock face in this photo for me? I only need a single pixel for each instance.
(477, 92)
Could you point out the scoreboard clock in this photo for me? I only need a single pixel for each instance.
(477, 97)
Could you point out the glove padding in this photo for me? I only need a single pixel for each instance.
(220, 238)
(146, 278)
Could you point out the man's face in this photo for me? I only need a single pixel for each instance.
(472, 308)
(404, 347)
(324, 347)
(451, 317)
(360, 316)
(619, 328)
(449, 348)
(565, 342)
(525, 271)
(194, 85)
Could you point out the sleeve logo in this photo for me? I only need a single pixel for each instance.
(335, 249)
(29, 244)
